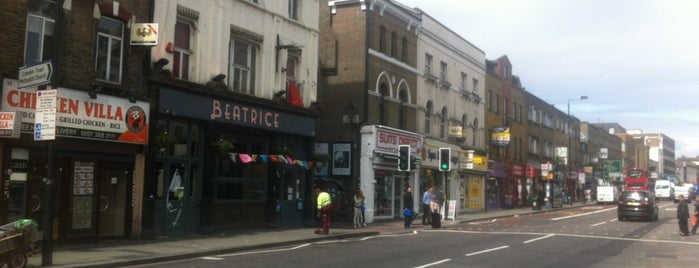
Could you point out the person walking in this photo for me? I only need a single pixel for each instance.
(358, 203)
(695, 220)
(683, 215)
(426, 198)
(408, 207)
(324, 203)
(435, 209)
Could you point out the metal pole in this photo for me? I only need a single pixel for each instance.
(47, 222)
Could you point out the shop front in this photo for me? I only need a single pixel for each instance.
(464, 185)
(473, 171)
(95, 160)
(225, 161)
(383, 185)
(522, 187)
(498, 188)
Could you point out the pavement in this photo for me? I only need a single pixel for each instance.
(120, 253)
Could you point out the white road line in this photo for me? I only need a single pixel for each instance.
(211, 258)
(486, 251)
(583, 214)
(434, 263)
(596, 224)
(536, 239)
(263, 251)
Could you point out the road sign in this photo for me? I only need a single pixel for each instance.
(45, 120)
(35, 75)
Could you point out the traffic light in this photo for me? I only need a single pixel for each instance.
(445, 159)
(404, 157)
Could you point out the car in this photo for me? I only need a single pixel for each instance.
(637, 204)
(664, 189)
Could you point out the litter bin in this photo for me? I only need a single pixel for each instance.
(536, 203)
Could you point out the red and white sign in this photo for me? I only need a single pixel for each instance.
(388, 140)
(9, 125)
(106, 118)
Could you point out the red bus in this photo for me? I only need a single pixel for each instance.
(638, 179)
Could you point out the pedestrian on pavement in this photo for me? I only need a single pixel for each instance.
(324, 204)
(434, 211)
(695, 218)
(408, 207)
(358, 203)
(426, 198)
(683, 215)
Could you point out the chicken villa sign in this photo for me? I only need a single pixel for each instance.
(106, 118)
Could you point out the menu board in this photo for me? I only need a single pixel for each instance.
(83, 188)
(84, 178)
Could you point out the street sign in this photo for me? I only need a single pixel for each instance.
(35, 75)
(45, 120)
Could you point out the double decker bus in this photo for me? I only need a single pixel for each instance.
(638, 179)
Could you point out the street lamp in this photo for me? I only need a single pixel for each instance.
(569, 152)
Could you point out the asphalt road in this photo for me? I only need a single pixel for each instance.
(580, 237)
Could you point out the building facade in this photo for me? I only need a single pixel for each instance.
(367, 99)
(506, 129)
(451, 81)
(234, 123)
(74, 80)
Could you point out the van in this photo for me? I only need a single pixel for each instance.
(607, 194)
(664, 190)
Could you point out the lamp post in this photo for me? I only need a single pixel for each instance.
(569, 152)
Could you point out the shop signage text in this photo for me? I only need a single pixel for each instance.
(105, 118)
(388, 140)
(180, 103)
(9, 125)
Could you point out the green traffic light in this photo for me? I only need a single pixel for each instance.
(444, 166)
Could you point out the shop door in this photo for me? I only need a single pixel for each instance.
(175, 202)
(291, 197)
(17, 201)
(112, 201)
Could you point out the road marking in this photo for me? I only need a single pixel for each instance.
(596, 224)
(434, 263)
(211, 258)
(486, 251)
(536, 239)
(583, 214)
(264, 251)
(576, 235)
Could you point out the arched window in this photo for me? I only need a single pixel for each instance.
(464, 124)
(382, 39)
(475, 134)
(428, 117)
(394, 44)
(403, 96)
(443, 123)
(383, 91)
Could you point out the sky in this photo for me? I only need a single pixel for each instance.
(637, 61)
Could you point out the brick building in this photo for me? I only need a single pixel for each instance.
(91, 153)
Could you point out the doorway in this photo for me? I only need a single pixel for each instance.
(112, 195)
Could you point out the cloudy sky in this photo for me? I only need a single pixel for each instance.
(636, 60)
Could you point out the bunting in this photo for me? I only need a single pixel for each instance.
(264, 158)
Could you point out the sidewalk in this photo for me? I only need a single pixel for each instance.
(118, 253)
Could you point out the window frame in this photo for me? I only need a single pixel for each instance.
(251, 52)
(41, 47)
(182, 52)
(109, 59)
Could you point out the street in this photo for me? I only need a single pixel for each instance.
(577, 237)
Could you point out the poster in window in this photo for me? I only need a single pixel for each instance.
(341, 158)
(320, 168)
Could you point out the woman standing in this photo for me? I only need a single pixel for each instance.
(358, 204)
